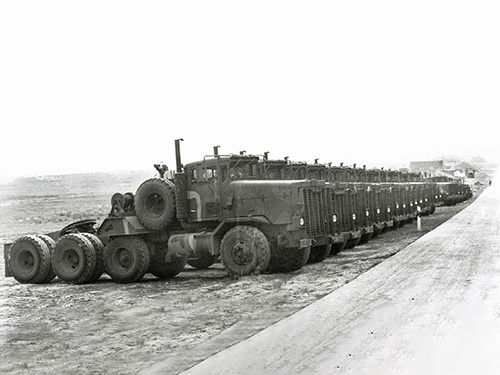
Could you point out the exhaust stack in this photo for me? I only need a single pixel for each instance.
(178, 155)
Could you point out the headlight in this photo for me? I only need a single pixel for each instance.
(334, 218)
(354, 216)
(416, 202)
(367, 213)
(388, 209)
(440, 195)
(404, 205)
(397, 205)
(436, 197)
(302, 221)
(420, 200)
(411, 204)
(378, 210)
(426, 200)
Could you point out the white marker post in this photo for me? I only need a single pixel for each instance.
(419, 220)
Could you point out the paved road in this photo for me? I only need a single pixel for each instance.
(433, 308)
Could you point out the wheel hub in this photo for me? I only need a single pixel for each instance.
(123, 258)
(70, 260)
(26, 260)
(241, 254)
(154, 204)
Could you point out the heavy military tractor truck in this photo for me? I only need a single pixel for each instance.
(326, 236)
(210, 209)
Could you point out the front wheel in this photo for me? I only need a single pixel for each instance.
(289, 259)
(126, 259)
(245, 250)
(319, 253)
(352, 242)
(366, 237)
(337, 247)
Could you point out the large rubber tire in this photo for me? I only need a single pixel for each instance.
(289, 259)
(245, 251)
(319, 253)
(159, 266)
(28, 260)
(337, 248)
(155, 203)
(51, 244)
(365, 237)
(351, 243)
(204, 260)
(174, 267)
(126, 259)
(74, 258)
(99, 256)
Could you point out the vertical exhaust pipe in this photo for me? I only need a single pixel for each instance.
(178, 155)
(216, 150)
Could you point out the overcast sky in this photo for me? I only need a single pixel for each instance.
(108, 85)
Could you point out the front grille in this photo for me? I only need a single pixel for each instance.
(361, 205)
(341, 209)
(316, 212)
(377, 208)
(353, 209)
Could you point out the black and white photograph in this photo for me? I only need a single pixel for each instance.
(249, 187)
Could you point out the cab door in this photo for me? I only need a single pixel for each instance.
(204, 192)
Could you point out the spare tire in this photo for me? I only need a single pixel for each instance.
(155, 203)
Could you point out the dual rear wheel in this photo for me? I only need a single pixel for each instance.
(28, 259)
(77, 258)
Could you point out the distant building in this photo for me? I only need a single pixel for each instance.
(467, 169)
(427, 166)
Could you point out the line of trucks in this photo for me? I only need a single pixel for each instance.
(251, 213)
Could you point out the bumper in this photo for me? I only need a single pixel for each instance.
(353, 235)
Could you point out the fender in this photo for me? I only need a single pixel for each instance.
(121, 226)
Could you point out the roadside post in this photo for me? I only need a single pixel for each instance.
(419, 220)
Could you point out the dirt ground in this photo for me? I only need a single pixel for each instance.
(125, 329)
(432, 308)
